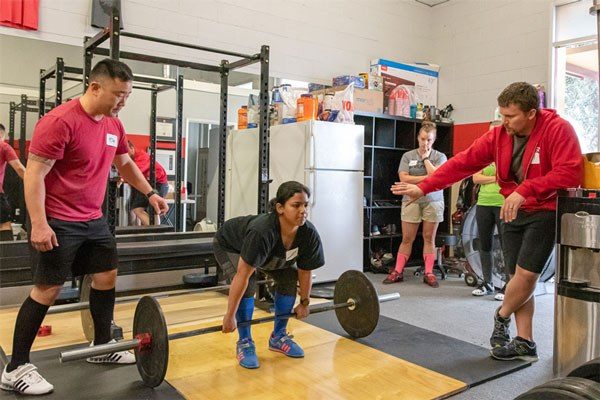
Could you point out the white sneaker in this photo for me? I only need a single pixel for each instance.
(499, 296)
(120, 357)
(26, 380)
(482, 290)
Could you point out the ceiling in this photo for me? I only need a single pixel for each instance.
(432, 3)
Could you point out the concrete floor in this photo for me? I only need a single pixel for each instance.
(452, 310)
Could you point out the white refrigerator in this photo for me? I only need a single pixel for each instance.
(328, 158)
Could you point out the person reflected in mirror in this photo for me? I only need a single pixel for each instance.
(138, 202)
(283, 245)
(7, 157)
(415, 166)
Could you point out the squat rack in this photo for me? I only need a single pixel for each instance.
(60, 71)
(113, 33)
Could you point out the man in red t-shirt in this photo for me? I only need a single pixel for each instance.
(7, 156)
(70, 156)
(536, 153)
(138, 201)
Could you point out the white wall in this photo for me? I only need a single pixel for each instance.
(310, 40)
(482, 46)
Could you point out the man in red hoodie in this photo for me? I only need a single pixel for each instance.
(536, 153)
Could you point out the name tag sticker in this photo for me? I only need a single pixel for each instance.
(412, 163)
(111, 140)
(536, 158)
(291, 254)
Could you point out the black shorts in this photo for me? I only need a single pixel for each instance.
(83, 248)
(5, 209)
(285, 279)
(139, 200)
(529, 240)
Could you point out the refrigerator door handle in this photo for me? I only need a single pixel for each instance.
(312, 156)
(312, 185)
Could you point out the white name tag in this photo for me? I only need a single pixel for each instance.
(536, 158)
(111, 140)
(291, 254)
(412, 163)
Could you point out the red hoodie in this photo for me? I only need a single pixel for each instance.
(552, 160)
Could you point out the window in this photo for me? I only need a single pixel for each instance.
(575, 86)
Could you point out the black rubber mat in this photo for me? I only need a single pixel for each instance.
(455, 358)
(82, 380)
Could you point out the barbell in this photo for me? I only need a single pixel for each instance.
(87, 323)
(355, 302)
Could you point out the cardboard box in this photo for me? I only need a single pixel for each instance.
(364, 100)
(423, 79)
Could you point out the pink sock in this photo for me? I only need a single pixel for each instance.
(429, 261)
(400, 262)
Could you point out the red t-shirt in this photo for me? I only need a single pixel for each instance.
(83, 149)
(142, 160)
(7, 154)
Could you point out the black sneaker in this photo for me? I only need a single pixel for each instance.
(501, 334)
(516, 349)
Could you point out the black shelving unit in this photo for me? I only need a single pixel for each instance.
(387, 138)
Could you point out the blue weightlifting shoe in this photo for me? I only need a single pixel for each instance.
(284, 344)
(246, 354)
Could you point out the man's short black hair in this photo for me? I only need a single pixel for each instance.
(2, 128)
(111, 69)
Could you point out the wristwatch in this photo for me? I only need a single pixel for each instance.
(152, 193)
(305, 302)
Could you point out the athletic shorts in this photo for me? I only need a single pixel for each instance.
(285, 279)
(139, 200)
(5, 209)
(529, 240)
(83, 248)
(431, 211)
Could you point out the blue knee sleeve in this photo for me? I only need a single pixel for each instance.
(283, 305)
(244, 313)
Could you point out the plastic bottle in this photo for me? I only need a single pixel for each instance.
(243, 117)
(307, 108)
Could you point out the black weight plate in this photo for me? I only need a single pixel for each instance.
(87, 323)
(3, 358)
(581, 386)
(543, 393)
(363, 318)
(151, 362)
(589, 370)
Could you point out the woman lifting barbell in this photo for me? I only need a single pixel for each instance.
(284, 245)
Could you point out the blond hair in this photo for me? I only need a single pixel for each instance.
(428, 127)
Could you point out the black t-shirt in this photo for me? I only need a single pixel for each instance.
(516, 165)
(257, 239)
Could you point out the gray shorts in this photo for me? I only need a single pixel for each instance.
(285, 279)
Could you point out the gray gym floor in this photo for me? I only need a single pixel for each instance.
(452, 310)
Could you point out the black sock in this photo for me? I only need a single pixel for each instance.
(28, 323)
(102, 304)
(6, 236)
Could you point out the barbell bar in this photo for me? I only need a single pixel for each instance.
(87, 323)
(84, 305)
(356, 305)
